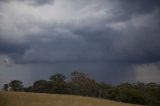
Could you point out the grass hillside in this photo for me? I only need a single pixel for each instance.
(38, 99)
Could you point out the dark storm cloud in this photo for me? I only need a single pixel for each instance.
(42, 2)
(139, 6)
(119, 39)
(4, 0)
(32, 2)
(11, 0)
(140, 41)
(132, 41)
(6, 48)
(13, 50)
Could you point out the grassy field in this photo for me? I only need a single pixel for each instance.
(37, 99)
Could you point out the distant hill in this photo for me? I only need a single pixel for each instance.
(39, 99)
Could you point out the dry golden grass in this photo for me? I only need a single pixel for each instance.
(37, 99)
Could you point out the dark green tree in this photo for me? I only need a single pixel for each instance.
(41, 86)
(28, 89)
(16, 85)
(5, 87)
(58, 83)
(130, 95)
(104, 90)
(81, 84)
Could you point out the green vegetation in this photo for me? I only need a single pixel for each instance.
(37, 99)
(16, 85)
(81, 84)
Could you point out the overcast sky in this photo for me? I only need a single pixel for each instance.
(113, 41)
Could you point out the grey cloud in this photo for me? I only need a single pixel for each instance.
(5, 60)
(114, 39)
(11, 0)
(147, 72)
(140, 40)
(41, 2)
(140, 7)
(32, 2)
(4, 0)
(107, 36)
(12, 50)
(7, 48)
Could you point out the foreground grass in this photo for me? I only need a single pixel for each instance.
(37, 99)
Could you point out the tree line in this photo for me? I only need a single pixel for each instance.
(81, 84)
